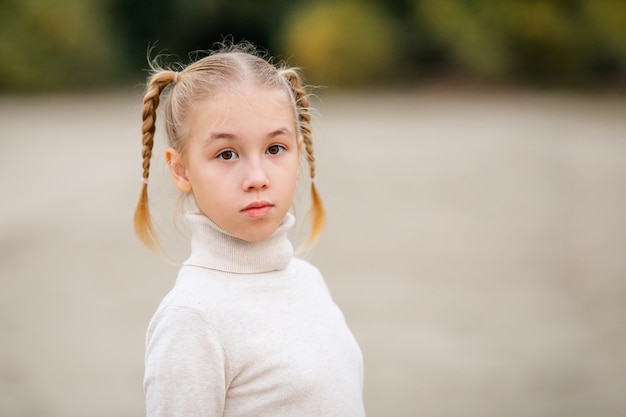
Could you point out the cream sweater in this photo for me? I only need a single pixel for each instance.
(249, 330)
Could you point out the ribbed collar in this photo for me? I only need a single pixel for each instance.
(214, 248)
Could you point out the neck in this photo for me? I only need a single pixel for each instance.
(214, 248)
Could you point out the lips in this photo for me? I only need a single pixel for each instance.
(257, 209)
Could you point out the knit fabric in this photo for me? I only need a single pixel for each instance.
(249, 330)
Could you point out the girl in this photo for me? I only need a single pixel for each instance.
(247, 330)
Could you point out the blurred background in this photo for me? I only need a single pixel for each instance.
(471, 154)
(92, 44)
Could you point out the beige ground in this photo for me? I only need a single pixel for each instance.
(477, 245)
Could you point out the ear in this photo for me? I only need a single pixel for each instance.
(178, 170)
(300, 141)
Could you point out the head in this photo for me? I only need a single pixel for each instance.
(236, 126)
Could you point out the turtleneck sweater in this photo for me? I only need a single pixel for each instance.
(249, 330)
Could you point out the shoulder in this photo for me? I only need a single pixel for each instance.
(303, 268)
(309, 272)
(188, 304)
(302, 265)
(177, 320)
(195, 289)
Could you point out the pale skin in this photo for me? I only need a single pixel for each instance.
(241, 160)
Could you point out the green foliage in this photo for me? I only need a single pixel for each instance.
(605, 21)
(544, 39)
(341, 43)
(55, 45)
(51, 45)
(556, 41)
(468, 32)
(178, 27)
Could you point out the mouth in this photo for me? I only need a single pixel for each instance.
(257, 209)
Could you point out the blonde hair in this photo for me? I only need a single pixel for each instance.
(199, 80)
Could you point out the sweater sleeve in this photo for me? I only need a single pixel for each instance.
(185, 366)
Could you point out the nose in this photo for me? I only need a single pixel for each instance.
(255, 177)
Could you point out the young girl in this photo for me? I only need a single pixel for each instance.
(247, 330)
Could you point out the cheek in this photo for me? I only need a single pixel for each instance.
(293, 171)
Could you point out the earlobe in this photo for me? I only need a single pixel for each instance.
(178, 170)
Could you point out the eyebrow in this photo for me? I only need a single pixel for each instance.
(232, 136)
(278, 132)
(222, 135)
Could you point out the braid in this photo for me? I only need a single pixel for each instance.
(143, 222)
(304, 121)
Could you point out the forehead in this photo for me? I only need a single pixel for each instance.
(243, 107)
(246, 95)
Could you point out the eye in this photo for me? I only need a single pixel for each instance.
(275, 149)
(227, 155)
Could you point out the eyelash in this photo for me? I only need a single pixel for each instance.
(228, 151)
(281, 149)
(233, 154)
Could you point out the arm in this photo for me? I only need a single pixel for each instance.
(185, 366)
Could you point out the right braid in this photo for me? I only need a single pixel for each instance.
(304, 121)
(143, 221)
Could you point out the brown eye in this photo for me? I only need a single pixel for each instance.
(275, 149)
(227, 156)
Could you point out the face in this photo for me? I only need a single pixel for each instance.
(241, 160)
